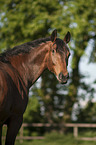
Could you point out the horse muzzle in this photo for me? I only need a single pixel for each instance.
(63, 79)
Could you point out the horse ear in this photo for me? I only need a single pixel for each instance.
(67, 37)
(54, 35)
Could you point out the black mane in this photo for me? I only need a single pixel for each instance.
(23, 48)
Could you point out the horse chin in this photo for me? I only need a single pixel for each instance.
(62, 81)
(65, 82)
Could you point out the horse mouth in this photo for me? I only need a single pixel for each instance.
(62, 81)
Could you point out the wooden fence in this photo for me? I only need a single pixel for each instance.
(75, 127)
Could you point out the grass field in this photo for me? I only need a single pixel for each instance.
(57, 139)
(60, 139)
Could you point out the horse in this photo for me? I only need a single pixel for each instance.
(20, 67)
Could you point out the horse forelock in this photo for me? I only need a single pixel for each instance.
(61, 46)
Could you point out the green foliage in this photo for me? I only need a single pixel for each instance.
(32, 113)
(87, 114)
(25, 20)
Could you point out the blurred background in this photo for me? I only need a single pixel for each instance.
(50, 102)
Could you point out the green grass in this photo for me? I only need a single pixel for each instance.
(57, 139)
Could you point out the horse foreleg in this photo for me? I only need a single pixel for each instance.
(0, 135)
(13, 128)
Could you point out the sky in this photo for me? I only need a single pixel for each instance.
(89, 69)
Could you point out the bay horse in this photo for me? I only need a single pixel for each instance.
(20, 67)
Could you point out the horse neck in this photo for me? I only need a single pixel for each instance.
(31, 65)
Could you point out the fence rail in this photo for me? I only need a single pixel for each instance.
(75, 127)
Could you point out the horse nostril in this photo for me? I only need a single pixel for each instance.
(62, 77)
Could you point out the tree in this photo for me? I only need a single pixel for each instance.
(25, 20)
(87, 114)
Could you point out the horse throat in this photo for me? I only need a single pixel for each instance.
(36, 65)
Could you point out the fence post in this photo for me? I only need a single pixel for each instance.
(21, 134)
(75, 131)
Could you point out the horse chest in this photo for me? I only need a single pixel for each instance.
(19, 99)
(19, 104)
